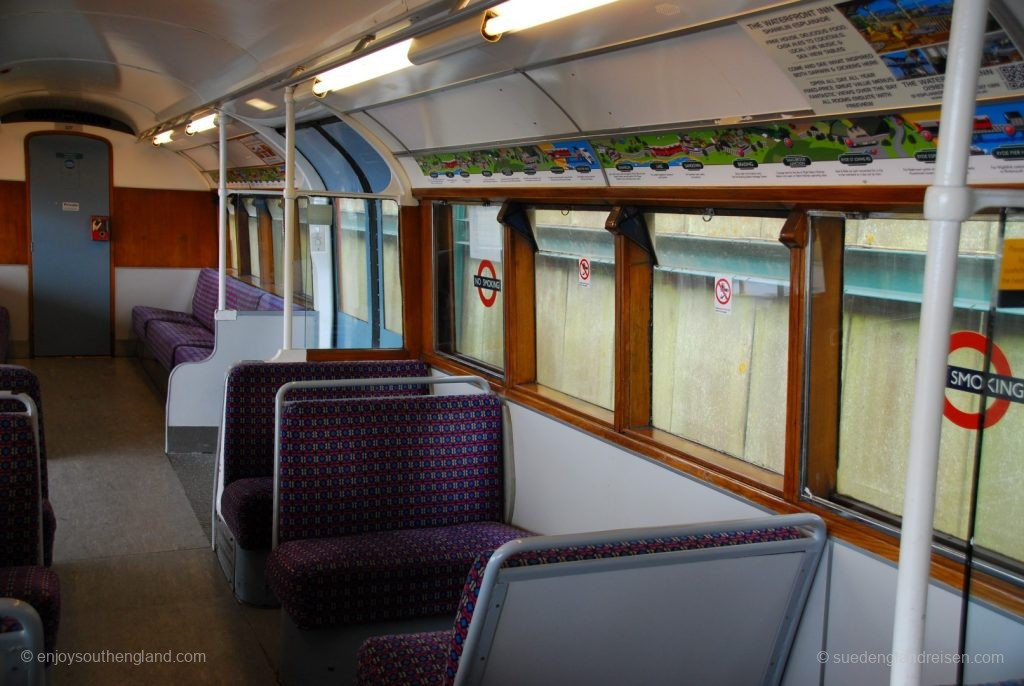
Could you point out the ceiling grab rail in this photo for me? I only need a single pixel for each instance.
(948, 202)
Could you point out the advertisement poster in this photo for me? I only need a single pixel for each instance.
(891, 149)
(871, 54)
(551, 163)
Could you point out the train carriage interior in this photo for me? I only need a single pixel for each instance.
(507, 342)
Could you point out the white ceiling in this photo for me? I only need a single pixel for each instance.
(631, 64)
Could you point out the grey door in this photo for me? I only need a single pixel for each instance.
(69, 183)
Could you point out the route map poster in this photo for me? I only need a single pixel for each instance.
(871, 54)
(891, 149)
(570, 162)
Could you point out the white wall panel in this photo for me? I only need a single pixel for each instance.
(707, 75)
(500, 109)
(170, 289)
(137, 164)
(568, 481)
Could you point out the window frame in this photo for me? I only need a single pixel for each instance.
(624, 428)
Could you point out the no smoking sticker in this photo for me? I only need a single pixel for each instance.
(487, 287)
(1001, 387)
(723, 294)
(584, 271)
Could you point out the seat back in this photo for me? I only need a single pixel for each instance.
(360, 465)
(17, 380)
(247, 439)
(714, 603)
(21, 519)
(205, 297)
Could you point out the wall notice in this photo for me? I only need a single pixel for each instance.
(868, 54)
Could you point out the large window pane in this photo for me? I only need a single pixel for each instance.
(575, 317)
(883, 268)
(472, 285)
(719, 354)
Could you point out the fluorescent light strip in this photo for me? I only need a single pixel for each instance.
(517, 15)
(164, 137)
(260, 104)
(372, 66)
(202, 124)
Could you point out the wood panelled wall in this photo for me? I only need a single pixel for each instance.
(13, 223)
(160, 228)
(149, 228)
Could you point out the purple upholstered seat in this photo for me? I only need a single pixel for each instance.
(143, 316)
(40, 588)
(384, 502)
(191, 353)
(20, 542)
(248, 454)
(433, 657)
(21, 575)
(166, 337)
(397, 574)
(18, 379)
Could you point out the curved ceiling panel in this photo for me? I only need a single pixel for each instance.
(134, 94)
(502, 109)
(672, 81)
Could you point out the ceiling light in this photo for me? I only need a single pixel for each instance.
(162, 138)
(371, 66)
(260, 104)
(202, 124)
(516, 15)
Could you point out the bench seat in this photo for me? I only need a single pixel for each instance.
(396, 574)
(166, 337)
(173, 337)
(533, 609)
(247, 506)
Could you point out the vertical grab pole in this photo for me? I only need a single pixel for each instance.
(947, 203)
(289, 213)
(222, 194)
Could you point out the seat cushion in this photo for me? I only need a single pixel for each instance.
(204, 300)
(143, 315)
(248, 509)
(378, 576)
(166, 337)
(191, 353)
(239, 295)
(40, 588)
(402, 659)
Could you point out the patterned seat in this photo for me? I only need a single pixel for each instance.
(434, 657)
(383, 504)
(18, 379)
(166, 337)
(175, 337)
(21, 575)
(248, 447)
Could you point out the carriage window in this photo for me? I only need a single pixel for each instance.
(470, 284)
(720, 333)
(369, 274)
(882, 272)
(575, 306)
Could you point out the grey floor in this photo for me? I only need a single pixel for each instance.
(132, 552)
